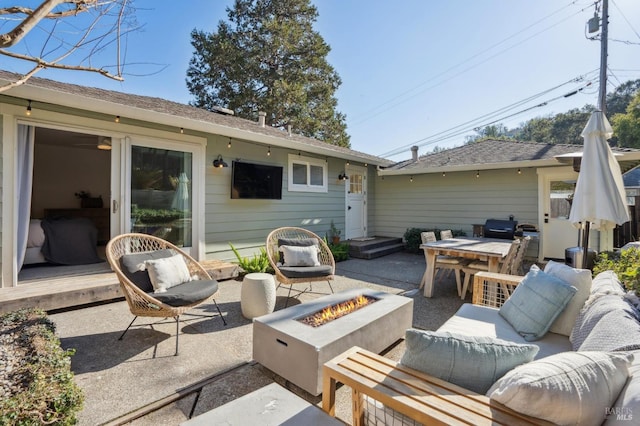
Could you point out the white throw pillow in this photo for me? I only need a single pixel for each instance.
(300, 256)
(168, 272)
(569, 388)
(581, 280)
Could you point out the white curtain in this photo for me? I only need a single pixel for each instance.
(26, 137)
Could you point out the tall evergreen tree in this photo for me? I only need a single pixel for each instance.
(267, 57)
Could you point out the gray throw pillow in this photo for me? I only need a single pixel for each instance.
(536, 303)
(473, 362)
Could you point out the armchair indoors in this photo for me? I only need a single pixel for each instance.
(299, 256)
(158, 279)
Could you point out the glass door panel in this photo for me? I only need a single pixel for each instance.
(161, 194)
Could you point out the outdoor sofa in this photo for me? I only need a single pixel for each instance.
(578, 368)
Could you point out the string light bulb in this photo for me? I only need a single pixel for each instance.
(411, 179)
(444, 174)
(478, 174)
(229, 143)
(269, 152)
(117, 119)
(182, 130)
(519, 171)
(28, 111)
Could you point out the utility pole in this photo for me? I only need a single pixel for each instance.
(602, 97)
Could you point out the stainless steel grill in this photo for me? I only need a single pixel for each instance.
(498, 228)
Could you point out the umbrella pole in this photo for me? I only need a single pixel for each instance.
(585, 244)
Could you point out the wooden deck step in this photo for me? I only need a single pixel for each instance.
(61, 292)
(69, 291)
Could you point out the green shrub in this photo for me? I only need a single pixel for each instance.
(413, 240)
(340, 251)
(42, 386)
(259, 263)
(626, 264)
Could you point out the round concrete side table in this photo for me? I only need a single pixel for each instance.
(258, 295)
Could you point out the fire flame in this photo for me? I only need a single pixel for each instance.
(332, 312)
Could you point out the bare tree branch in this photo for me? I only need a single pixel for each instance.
(76, 32)
(45, 64)
(14, 36)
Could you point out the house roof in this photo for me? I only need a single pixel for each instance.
(500, 154)
(632, 178)
(162, 111)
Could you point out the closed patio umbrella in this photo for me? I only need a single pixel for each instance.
(181, 197)
(599, 200)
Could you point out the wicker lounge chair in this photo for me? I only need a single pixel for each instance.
(127, 254)
(290, 275)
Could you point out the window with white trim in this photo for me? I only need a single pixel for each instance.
(307, 174)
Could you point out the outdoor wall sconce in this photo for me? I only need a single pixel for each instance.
(343, 176)
(219, 162)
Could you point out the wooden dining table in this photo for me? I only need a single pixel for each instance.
(491, 250)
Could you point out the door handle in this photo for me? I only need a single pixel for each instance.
(115, 206)
(349, 208)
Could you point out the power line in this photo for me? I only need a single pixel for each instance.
(477, 123)
(367, 115)
(626, 20)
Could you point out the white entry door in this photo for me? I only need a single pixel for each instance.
(555, 190)
(356, 205)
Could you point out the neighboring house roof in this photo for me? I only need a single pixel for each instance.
(162, 111)
(632, 178)
(499, 154)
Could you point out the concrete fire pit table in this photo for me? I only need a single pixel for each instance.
(297, 351)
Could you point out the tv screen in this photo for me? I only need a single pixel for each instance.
(256, 181)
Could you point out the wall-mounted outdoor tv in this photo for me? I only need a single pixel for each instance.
(256, 181)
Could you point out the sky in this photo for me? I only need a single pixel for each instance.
(414, 72)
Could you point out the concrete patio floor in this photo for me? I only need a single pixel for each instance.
(139, 381)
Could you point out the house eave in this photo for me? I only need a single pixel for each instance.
(470, 167)
(70, 100)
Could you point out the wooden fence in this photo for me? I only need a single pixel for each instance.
(628, 232)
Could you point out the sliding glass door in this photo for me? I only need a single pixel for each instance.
(161, 193)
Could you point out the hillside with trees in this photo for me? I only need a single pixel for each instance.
(623, 111)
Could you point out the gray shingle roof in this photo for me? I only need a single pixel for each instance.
(488, 152)
(176, 109)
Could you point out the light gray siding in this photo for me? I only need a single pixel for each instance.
(455, 201)
(246, 223)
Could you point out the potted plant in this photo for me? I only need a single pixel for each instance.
(334, 234)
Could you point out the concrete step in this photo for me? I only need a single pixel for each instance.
(376, 247)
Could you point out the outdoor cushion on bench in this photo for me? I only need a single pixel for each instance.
(187, 293)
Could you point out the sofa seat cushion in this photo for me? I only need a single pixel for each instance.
(478, 320)
(187, 293)
(571, 388)
(473, 362)
(306, 271)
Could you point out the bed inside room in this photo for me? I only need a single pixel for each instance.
(69, 217)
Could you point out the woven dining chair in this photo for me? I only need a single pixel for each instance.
(324, 270)
(508, 265)
(128, 255)
(446, 263)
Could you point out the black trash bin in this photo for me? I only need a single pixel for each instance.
(573, 257)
